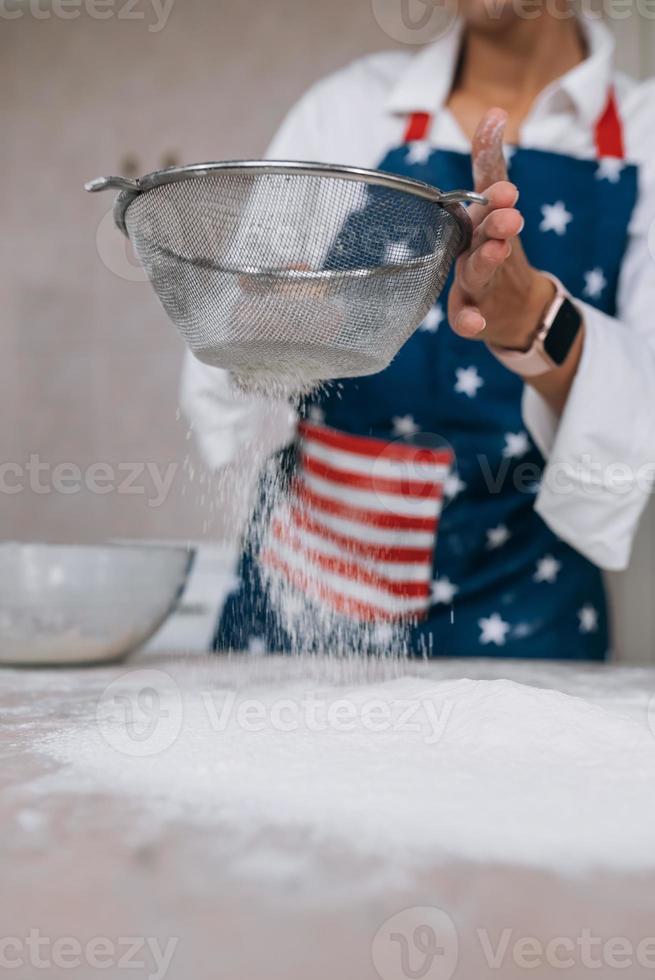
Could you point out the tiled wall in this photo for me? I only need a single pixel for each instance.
(88, 364)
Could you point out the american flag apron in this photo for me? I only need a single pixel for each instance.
(357, 529)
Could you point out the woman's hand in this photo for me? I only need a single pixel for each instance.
(497, 296)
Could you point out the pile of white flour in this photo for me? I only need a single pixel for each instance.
(406, 771)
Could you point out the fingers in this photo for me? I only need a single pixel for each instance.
(495, 225)
(489, 165)
(502, 224)
(469, 322)
(499, 196)
(477, 268)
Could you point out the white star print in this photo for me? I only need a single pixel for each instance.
(556, 218)
(610, 168)
(419, 151)
(257, 646)
(494, 629)
(548, 568)
(497, 537)
(516, 445)
(433, 320)
(404, 425)
(443, 591)
(595, 283)
(588, 617)
(316, 415)
(508, 153)
(468, 381)
(453, 485)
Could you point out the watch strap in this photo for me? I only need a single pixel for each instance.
(535, 361)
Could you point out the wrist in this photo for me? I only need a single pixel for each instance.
(540, 294)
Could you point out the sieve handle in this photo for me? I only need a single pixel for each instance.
(462, 197)
(116, 183)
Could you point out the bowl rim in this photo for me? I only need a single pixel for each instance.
(113, 545)
(189, 551)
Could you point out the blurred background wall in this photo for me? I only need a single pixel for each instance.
(89, 365)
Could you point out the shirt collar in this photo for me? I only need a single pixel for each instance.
(426, 84)
(588, 84)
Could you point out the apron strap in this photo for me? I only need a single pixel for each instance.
(608, 133)
(417, 127)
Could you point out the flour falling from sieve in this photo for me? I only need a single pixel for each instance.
(302, 622)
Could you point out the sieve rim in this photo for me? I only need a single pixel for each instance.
(129, 190)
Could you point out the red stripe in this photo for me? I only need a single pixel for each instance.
(401, 487)
(341, 604)
(609, 131)
(376, 552)
(417, 127)
(366, 446)
(393, 521)
(351, 570)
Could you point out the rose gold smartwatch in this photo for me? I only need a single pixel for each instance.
(555, 337)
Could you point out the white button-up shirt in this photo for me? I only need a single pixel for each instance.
(601, 452)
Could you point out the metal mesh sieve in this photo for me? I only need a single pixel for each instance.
(291, 274)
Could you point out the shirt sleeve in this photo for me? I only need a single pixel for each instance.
(601, 452)
(226, 423)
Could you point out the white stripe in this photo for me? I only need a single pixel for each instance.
(380, 466)
(347, 587)
(383, 503)
(369, 534)
(391, 571)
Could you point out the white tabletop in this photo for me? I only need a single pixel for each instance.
(79, 860)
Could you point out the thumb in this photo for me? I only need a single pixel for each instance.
(487, 151)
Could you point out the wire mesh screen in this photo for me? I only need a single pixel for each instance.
(293, 278)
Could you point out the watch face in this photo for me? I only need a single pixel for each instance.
(563, 332)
